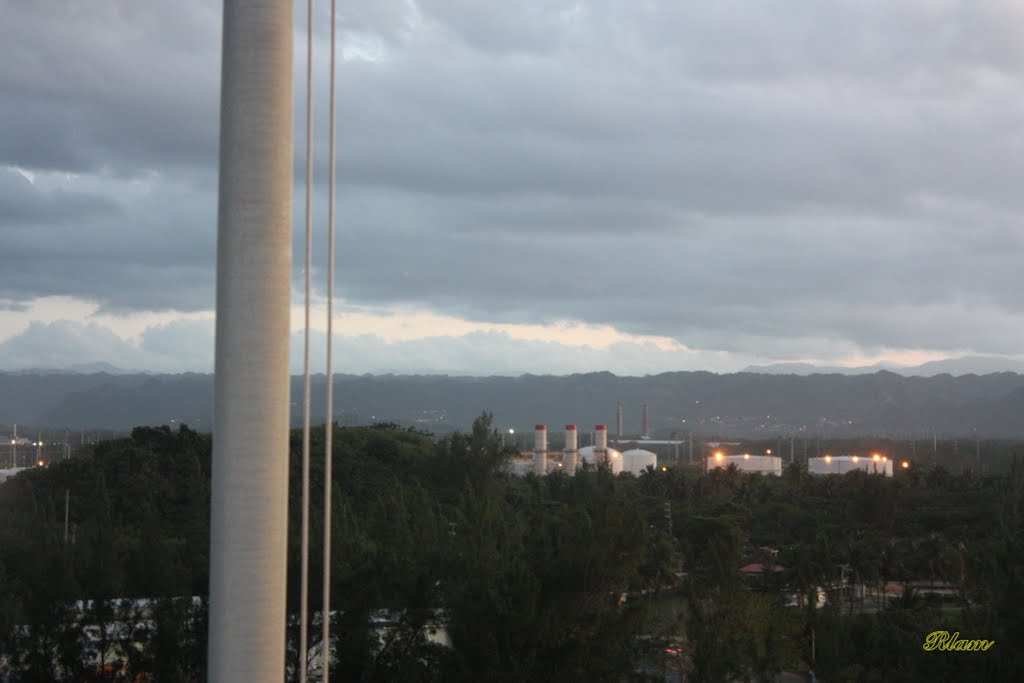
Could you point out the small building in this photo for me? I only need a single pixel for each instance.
(10, 472)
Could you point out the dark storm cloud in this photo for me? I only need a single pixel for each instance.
(785, 179)
(21, 203)
(113, 86)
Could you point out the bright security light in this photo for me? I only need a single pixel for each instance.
(856, 459)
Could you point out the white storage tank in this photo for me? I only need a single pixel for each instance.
(592, 457)
(841, 464)
(636, 460)
(753, 464)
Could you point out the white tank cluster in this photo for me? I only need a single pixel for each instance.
(754, 464)
(841, 464)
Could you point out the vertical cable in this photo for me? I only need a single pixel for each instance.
(304, 591)
(329, 426)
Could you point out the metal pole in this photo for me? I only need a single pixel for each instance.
(325, 640)
(249, 506)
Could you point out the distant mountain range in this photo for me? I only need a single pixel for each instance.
(968, 365)
(739, 404)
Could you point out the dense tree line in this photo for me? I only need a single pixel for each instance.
(592, 577)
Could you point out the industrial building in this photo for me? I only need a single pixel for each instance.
(754, 464)
(841, 464)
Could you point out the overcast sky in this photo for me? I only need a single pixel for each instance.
(538, 186)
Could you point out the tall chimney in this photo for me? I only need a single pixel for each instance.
(249, 490)
(540, 450)
(570, 438)
(618, 420)
(601, 438)
(569, 457)
(647, 423)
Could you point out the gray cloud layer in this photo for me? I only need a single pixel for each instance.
(779, 180)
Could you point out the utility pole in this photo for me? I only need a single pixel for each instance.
(249, 501)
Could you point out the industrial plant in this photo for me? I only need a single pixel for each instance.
(571, 457)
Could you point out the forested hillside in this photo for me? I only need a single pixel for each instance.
(707, 404)
(593, 577)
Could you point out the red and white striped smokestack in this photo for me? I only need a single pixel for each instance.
(570, 460)
(540, 439)
(570, 438)
(540, 450)
(601, 438)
